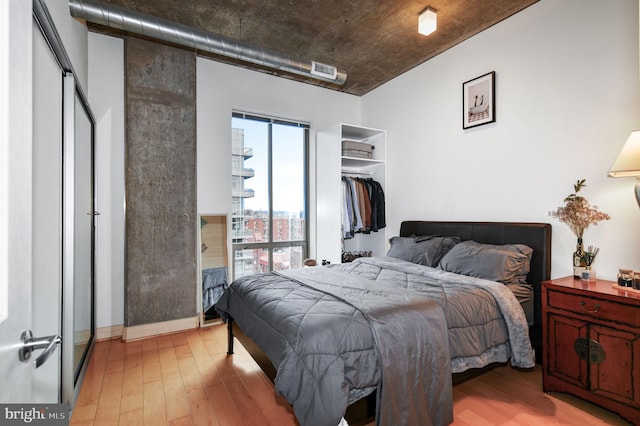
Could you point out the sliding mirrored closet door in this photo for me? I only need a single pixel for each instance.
(46, 263)
(78, 239)
(64, 205)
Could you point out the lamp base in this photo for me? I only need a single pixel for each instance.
(637, 188)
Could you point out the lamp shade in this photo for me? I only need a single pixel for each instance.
(628, 162)
(427, 21)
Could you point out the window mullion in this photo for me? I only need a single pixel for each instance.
(306, 189)
(270, 186)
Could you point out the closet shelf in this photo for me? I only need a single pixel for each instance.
(359, 162)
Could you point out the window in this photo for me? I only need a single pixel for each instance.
(269, 190)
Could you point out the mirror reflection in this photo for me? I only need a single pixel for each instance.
(213, 262)
(83, 241)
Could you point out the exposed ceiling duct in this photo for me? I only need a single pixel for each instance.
(184, 35)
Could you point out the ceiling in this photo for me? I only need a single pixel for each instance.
(372, 41)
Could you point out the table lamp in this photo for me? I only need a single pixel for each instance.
(628, 162)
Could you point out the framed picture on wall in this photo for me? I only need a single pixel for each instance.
(478, 101)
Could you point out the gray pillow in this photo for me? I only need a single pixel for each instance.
(424, 250)
(502, 263)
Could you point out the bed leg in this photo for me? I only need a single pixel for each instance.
(230, 336)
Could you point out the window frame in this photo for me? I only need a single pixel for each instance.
(304, 243)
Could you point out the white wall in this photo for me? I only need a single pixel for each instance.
(106, 96)
(222, 89)
(567, 97)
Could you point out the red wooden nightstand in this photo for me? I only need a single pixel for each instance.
(591, 343)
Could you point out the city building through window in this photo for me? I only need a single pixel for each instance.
(269, 190)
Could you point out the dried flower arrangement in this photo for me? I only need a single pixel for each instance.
(577, 213)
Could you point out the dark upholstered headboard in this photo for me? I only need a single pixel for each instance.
(535, 235)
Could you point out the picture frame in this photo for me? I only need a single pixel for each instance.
(478, 101)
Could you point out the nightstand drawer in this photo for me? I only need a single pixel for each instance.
(596, 308)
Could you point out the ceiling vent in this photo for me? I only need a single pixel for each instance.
(324, 70)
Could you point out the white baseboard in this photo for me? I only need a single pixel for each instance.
(110, 332)
(137, 332)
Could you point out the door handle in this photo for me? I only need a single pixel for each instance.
(30, 344)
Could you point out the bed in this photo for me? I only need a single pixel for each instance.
(392, 328)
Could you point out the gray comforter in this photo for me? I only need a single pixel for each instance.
(335, 334)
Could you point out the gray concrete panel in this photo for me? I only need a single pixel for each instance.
(161, 241)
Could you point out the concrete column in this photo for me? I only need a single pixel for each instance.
(161, 240)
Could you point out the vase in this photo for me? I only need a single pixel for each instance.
(579, 264)
(588, 274)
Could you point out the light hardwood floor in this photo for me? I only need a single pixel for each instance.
(188, 379)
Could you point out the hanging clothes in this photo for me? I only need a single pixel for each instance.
(378, 203)
(363, 209)
(347, 210)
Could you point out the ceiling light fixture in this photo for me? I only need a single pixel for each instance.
(427, 21)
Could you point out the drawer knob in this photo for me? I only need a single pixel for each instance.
(596, 308)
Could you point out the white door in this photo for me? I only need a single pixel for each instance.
(25, 302)
(15, 196)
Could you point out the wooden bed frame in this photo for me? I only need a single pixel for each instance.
(535, 235)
